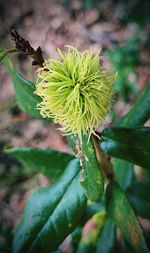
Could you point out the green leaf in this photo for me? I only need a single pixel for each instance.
(124, 172)
(24, 91)
(115, 149)
(75, 238)
(126, 247)
(92, 209)
(3, 53)
(51, 214)
(106, 242)
(139, 113)
(89, 241)
(92, 179)
(48, 162)
(138, 137)
(119, 209)
(131, 144)
(139, 197)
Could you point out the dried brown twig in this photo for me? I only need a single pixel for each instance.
(24, 46)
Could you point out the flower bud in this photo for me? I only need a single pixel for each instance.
(76, 92)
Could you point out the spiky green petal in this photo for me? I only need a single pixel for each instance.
(75, 91)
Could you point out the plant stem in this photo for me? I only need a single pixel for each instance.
(12, 50)
(24, 46)
(105, 164)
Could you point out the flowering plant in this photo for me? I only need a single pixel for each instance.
(76, 93)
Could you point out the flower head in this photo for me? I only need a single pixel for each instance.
(75, 91)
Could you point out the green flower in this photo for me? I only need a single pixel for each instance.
(75, 91)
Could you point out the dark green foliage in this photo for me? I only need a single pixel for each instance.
(24, 91)
(131, 144)
(137, 12)
(88, 242)
(106, 243)
(139, 113)
(11, 173)
(119, 209)
(93, 209)
(124, 172)
(58, 207)
(6, 233)
(48, 162)
(139, 197)
(76, 237)
(125, 60)
(92, 179)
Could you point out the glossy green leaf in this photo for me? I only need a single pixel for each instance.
(24, 91)
(48, 162)
(124, 172)
(121, 212)
(139, 113)
(131, 144)
(107, 239)
(51, 214)
(75, 238)
(118, 150)
(92, 179)
(139, 197)
(92, 209)
(137, 137)
(89, 241)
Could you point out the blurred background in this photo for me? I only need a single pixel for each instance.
(120, 28)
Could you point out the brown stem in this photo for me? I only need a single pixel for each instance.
(12, 50)
(103, 161)
(24, 46)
